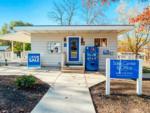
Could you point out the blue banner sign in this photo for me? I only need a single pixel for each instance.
(124, 69)
(34, 60)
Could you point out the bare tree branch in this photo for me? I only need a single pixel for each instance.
(70, 9)
(63, 12)
(130, 43)
(138, 41)
(57, 14)
(92, 14)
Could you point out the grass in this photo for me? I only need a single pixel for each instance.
(146, 69)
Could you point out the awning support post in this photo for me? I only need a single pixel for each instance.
(12, 50)
(24, 47)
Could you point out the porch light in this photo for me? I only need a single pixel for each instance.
(65, 39)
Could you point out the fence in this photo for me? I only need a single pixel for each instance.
(130, 56)
(13, 57)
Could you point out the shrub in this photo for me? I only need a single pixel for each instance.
(26, 81)
(146, 70)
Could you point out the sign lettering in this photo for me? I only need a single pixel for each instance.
(124, 69)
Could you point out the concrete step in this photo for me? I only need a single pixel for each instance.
(73, 69)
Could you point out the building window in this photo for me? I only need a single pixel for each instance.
(54, 47)
(100, 42)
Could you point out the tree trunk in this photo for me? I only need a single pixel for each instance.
(136, 54)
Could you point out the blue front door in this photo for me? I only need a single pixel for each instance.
(73, 49)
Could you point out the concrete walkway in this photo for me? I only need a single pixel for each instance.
(69, 92)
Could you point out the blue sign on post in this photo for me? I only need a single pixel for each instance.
(124, 69)
(34, 60)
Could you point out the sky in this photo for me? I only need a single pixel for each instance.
(36, 11)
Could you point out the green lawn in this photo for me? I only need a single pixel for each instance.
(146, 69)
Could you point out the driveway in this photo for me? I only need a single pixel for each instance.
(69, 92)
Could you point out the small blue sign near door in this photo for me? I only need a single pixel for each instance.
(125, 69)
(34, 60)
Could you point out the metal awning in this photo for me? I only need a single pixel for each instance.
(18, 37)
(74, 28)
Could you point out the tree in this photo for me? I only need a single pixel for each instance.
(28, 47)
(142, 21)
(124, 12)
(6, 28)
(103, 2)
(63, 12)
(136, 42)
(93, 13)
(123, 46)
(123, 9)
(141, 33)
(18, 23)
(99, 2)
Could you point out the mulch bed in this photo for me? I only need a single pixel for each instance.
(123, 98)
(14, 100)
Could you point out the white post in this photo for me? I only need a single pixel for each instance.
(83, 58)
(12, 50)
(23, 47)
(107, 76)
(62, 59)
(23, 53)
(139, 80)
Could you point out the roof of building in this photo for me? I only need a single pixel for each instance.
(51, 28)
(22, 33)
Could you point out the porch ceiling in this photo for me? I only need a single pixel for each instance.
(77, 29)
(23, 37)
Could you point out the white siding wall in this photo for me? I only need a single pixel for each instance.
(40, 41)
(40, 45)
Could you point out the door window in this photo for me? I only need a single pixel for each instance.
(73, 48)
